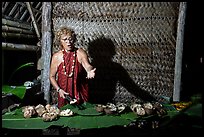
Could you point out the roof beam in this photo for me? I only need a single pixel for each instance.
(33, 19)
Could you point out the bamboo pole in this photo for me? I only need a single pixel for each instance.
(17, 35)
(5, 6)
(35, 9)
(33, 19)
(12, 46)
(46, 49)
(6, 28)
(16, 24)
(179, 51)
(13, 10)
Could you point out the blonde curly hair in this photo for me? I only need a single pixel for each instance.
(59, 33)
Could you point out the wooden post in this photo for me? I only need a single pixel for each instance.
(179, 51)
(46, 49)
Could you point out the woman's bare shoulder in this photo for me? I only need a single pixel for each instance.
(81, 51)
(57, 55)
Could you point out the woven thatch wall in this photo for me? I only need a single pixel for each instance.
(133, 38)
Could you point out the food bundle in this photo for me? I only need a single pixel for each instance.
(148, 108)
(111, 108)
(47, 112)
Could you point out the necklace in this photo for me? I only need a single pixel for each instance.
(73, 64)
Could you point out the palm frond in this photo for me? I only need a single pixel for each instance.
(29, 64)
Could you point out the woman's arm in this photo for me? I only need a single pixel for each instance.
(53, 70)
(83, 58)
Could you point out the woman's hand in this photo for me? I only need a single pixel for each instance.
(91, 73)
(62, 93)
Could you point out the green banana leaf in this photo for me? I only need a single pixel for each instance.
(19, 91)
(83, 109)
(83, 119)
(86, 118)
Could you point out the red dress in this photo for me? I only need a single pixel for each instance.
(77, 84)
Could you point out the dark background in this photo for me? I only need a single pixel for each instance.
(192, 66)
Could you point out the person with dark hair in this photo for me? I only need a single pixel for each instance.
(70, 69)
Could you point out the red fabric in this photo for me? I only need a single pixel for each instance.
(77, 85)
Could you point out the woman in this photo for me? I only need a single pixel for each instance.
(70, 68)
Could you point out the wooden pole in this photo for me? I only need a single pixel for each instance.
(16, 24)
(6, 28)
(12, 46)
(33, 19)
(179, 51)
(17, 35)
(46, 49)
